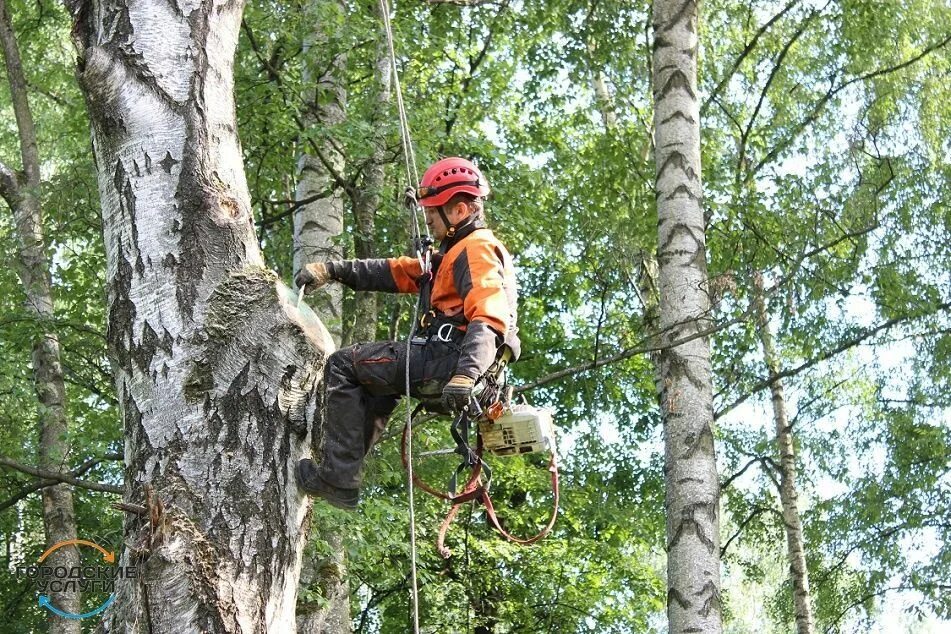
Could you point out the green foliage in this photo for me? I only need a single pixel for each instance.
(825, 169)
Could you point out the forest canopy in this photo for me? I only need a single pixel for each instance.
(825, 162)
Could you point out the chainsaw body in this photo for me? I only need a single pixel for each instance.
(520, 429)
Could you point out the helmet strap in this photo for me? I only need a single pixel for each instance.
(450, 228)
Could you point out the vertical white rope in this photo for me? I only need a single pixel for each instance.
(411, 173)
(408, 152)
(409, 468)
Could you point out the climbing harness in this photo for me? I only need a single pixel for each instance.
(503, 429)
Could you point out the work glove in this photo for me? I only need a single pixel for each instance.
(458, 392)
(312, 276)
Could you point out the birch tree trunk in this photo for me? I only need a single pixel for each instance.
(602, 93)
(367, 203)
(22, 193)
(788, 496)
(318, 223)
(328, 575)
(216, 367)
(692, 497)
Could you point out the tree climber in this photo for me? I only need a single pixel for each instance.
(468, 313)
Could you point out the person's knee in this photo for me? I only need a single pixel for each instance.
(339, 365)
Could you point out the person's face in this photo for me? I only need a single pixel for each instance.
(456, 214)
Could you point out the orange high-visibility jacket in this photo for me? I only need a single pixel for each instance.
(474, 288)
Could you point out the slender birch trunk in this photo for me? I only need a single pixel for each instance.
(692, 498)
(22, 193)
(647, 276)
(367, 204)
(602, 93)
(788, 496)
(216, 367)
(318, 224)
(328, 575)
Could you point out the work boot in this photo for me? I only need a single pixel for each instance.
(310, 482)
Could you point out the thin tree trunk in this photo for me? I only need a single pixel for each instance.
(367, 203)
(319, 223)
(788, 495)
(602, 93)
(216, 368)
(328, 575)
(692, 496)
(317, 226)
(22, 193)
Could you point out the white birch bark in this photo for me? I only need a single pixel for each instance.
(692, 496)
(602, 93)
(317, 224)
(216, 368)
(22, 193)
(788, 496)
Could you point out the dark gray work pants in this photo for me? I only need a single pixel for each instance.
(363, 383)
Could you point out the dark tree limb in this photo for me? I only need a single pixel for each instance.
(292, 206)
(60, 477)
(835, 90)
(757, 511)
(729, 481)
(744, 137)
(43, 483)
(864, 335)
(715, 93)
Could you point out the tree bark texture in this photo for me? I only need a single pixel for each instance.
(788, 496)
(217, 369)
(367, 203)
(328, 575)
(22, 193)
(692, 496)
(319, 223)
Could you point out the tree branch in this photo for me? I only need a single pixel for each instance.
(863, 336)
(715, 93)
(640, 348)
(729, 481)
(757, 511)
(474, 64)
(293, 205)
(42, 484)
(833, 91)
(744, 137)
(60, 477)
(834, 623)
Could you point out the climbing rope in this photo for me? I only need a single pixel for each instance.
(422, 254)
(409, 154)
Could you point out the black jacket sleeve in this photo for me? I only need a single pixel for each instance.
(363, 275)
(393, 275)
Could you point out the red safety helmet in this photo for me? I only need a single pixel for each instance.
(448, 177)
